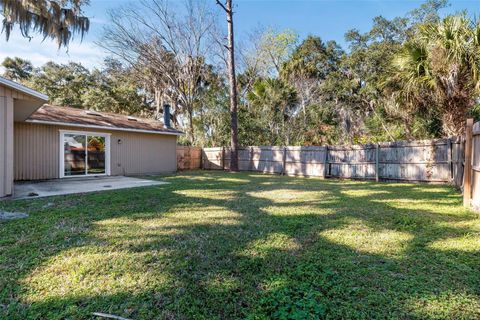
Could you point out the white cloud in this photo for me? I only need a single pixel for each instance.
(39, 52)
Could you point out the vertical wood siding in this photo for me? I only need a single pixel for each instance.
(7, 92)
(142, 153)
(3, 137)
(37, 152)
(6, 140)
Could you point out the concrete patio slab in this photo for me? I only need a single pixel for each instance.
(12, 215)
(77, 185)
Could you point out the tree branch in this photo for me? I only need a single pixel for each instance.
(223, 6)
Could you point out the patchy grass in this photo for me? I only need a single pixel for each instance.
(213, 245)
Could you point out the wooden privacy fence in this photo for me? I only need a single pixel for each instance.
(428, 160)
(189, 158)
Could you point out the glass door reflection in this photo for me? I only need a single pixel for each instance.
(84, 154)
(96, 155)
(74, 154)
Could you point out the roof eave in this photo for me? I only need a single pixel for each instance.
(91, 126)
(23, 89)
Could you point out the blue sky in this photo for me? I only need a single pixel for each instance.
(329, 19)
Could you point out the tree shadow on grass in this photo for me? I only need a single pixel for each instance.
(216, 245)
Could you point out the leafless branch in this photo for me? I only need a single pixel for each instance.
(222, 5)
(168, 52)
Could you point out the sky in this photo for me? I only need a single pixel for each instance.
(329, 19)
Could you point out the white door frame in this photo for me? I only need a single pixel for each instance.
(85, 133)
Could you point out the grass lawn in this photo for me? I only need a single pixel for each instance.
(213, 245)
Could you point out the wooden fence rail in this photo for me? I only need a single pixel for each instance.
(427, 160)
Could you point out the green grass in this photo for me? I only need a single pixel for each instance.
(213, 245)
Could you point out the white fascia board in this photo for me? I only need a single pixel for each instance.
(66, 124)
(19, 87)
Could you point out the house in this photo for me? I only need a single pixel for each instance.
(40, 141)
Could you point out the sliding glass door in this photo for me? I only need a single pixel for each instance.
(84, 154)
(96, 155)
(74, 147)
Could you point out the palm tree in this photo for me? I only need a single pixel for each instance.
(17, 69)
(440, 68)
(49, 18)
(273, 101)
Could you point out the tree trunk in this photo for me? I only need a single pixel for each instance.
(453, 125)
(455, 111)
(159, 103)
(174, 113)
(233, 88)
(408, 131)
(190, 125)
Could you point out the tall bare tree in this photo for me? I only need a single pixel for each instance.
(227, 7)
(58, 20)
(168, 51)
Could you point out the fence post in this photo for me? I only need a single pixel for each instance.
(325, 163)
(377, 164)
(250, 159)
(449, 158)
(467, 174)
(284, 160)
(223, 158)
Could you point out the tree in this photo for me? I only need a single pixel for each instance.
(17, 69)
(308, 66)
(365, 70)
(108, 89)
(233, 86)
(63, 83)
(167, 52)
(273, 102)
(440, 69)
(427, 12)
(269, 50)
(51, 19)
(113, 89)
(213, 121)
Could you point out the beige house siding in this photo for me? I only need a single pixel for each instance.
(6, 145)
(7, 98)
(142, 153)
(37, 151)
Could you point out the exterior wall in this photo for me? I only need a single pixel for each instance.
(37, 151)
(6, 141)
